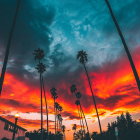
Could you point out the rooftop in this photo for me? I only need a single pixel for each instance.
(5, 120)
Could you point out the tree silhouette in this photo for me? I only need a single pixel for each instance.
(54, 96)
(82, 57)
(36, 134)
(41, 68)
(8, 46)
(46, 104)
(127, 129)
(78, 96)
(73, 90)
(77, 102)
(124, 44)
(63, 127)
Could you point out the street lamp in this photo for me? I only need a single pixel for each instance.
(14, 131)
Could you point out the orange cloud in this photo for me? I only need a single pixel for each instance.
(113, 84)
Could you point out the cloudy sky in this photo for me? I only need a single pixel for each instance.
(61, 28)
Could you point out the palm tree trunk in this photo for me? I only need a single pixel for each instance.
(8, 46)
(84, 118)
(46, 104)
(94, 101)
(124, 44)
(57, 121)
(41, 104)
(64, 136)
(79, 117)
(55, 115)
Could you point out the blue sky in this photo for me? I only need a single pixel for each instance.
(70, 27)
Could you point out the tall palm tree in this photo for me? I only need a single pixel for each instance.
(60, 119)
(82, 57)
(57, 116)
(63, 127)
(124, 44)
(41, 68)
(47, 113)
(8, 46)
(77, 102)
(78, 96)
(73, 90)
(54, 96)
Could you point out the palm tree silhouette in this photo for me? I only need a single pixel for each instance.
(54, 96)
(56, 110)
(82, 57)
(73, 90)
(74, 127)
(41, 68)
(47, 113)
(78, 96)
(77, 102)
(8, 46)
(60, 118)
(63, 127)
(124, 44)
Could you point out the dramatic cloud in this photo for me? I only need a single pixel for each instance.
(62, 28)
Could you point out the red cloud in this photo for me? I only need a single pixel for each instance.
(114, 88)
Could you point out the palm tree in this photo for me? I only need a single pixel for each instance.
(54, 96)
(82, 57)
(73, 89)
(63, 127)
(41, 68)
(124, 44)
(74, 127)
(59, 118)
(78, 96)
(56, 110)
(60, 121)
(47, 114)
(9, 46)
(60, 108)
(77, 102)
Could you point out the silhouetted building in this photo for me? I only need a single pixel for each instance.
(7, 128)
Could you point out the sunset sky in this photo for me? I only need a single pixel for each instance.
(62, 28)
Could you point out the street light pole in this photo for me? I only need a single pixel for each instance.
(15, 126)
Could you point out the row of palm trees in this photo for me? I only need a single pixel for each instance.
(82, 57)
(82, 117)
(41, 68)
